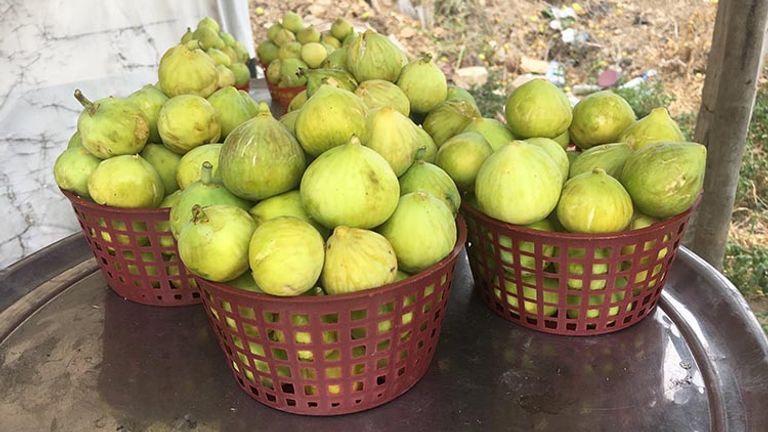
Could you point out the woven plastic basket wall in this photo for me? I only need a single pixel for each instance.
(330, 355)
(137, 253)
(570, 284)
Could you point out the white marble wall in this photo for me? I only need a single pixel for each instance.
(47, 49)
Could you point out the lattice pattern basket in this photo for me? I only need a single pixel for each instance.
(570, 284)
(136, 252)
(282, 96)
(329, 355)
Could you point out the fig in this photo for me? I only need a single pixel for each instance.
(72, 169)
(290, 75)
(349, 185)
(219, 57)
(214, 244)
(572, 155)
(242, 52)
(187, 36)
(289, 120)
(75, 141)
(426, 177)
(170, 200)
(308, 35)
(449, 119)
(292, 22)
(538, 109)
(273, 30)
(393, 136)
(186, 69)
(530, 295)
(518, 184)
(340, 79)
(285, 204)
(495, 132)
(656, 127)
(336, 59)
(665, 179)
(329, 119)
(289, 50)
(459, 94)
(232, 107)
(577, 269)
(379, 93)
(594, 202)
(227, 38)
(298, 101)
(610, 157)
(149, 99)
(245, 282)
(209, 22)
(429, 152)
(208, 38)
(332, 41)
(313, 54)
(527, 262)
(205, 193)
(597, 301)
(233, 56)
(341, 28)
(165, 162)
(111, 126)
(267, 51)
(424, 84)
(286, 256)
(260, 158)
(462, 156)
(188, 121)
(226, 77)
(401, 275)
(189, 171)
(241, 72)
(600, 118)
(283, 37)
(273, 71)
(373, 56)
(357, 259)
(422, 231)
(564, 139)
(126, 181)
(555, 151)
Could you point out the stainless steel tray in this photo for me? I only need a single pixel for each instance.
(75, 357)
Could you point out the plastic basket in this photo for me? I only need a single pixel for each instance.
(245, 87)
(283, 95)
(136, 252)
(330, 355)
(570, 284)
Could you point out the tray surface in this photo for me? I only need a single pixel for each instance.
(89, 360)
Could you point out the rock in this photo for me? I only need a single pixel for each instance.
(469, 77)
(531, 65)
(522, 79)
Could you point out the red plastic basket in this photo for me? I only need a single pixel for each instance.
(245, 87)
(570, 284)
(136, 252)
(283, 95)
(330, 355)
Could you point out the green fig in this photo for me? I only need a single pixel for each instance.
(449, 119)
(233, 56)
(187, 36)
(458, 93)
(341, 28)
(208, 38)
(283, 37)
(75, 141)
(233, 110)
(285, 204)
(594, 203)
(290, 75)
(462, 156)
(289, 120)
(379, 93)
(422, 231)
(349, 185)
(426, 177)
(245, 282)
(393, 136)
(329, 119)
(313, 54)
(204, 192)
(292, 22)
(227, 38)
(214, 244)
(188, 121)
(665, 179)
(241, 72)
(429, 152)
(273, 30)
(528, 263)
(357, 259)
(226, 77)
(575, 268)
(298, 101)
(337, 59)
(219, 57)
(564, 139)
(518, 184)
(188, 170)
(186, 69)
(273, 71)
(424, 84)
(600, 118)
(538, 109)
(149, 99)
(126, 181)
(335, 77)
(596, 300)
(289, 50)
(308, 35)
(209, 22)
(286, 255)
(656, 127)
(495, 132)
(332, 41)
(530, 295)
(111, 126)
(555, 151)
(242, 53)
(72, 169)
(610, 157)
(260, 158)
(373, 56)
(170, 200)
(267, 51)
(165, 162)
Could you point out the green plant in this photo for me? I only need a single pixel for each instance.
(747, 268)
(491, 96)
(646, 96)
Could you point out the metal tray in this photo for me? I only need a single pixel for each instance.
(75, 357)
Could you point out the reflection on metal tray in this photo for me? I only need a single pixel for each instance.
(75, 357)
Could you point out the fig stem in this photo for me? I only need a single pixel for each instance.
(206, 173)
(198, 215)
(426, 58)
(85, 102)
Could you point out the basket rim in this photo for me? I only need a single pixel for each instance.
(100, 207)
(461, 239)
(621, 235)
